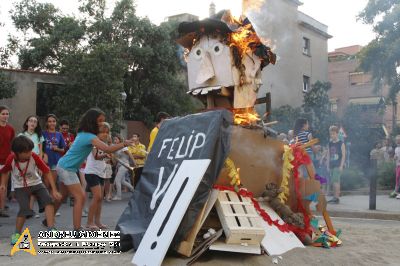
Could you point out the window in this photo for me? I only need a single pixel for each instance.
(306, 46)
(359, 78)
(306, 83)
(333, 105)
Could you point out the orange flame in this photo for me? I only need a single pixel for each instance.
(243, 37)
(245, 116)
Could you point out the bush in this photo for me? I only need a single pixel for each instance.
(386, 175)
(352, 178)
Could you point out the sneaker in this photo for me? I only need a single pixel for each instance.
(3, 213)
(398, 196)
(334, 200)
(116, 198)
(30, 215)
(58, 214)
(393, 194)
(84, 213)
(37, 215)
(14, 238)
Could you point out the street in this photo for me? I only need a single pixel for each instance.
(365, 242)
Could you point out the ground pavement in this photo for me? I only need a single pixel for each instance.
(365, 241)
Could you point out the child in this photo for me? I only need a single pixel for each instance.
(336, 158)
(302, 136)
(54, 144)
(68, 137)
(7, 134)
(33, 131)
(122, 157)
(95, 171)
(22, 164)
(301, 133)
(138, 151)
(396, 192)
(69, 164)
(109, 174)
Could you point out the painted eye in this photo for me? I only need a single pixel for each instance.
(218, 48)
(198, 53)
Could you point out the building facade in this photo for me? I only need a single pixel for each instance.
(301, 45)
(25, 102)
(351, 86)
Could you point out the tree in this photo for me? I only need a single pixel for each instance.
(286, 115)
(102, 56)
(7, 87)
(361, 134)
(381, 56)
(317, 110)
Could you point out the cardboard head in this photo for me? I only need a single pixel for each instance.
(224, 53)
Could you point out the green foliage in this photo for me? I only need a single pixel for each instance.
(286, 115)
(386, 175)
(381, 56)
(7, 87)
(317, 110)
(362, 135)
(102, 56)
(352, 178)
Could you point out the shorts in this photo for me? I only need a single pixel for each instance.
(93, 180)
(23, 197)
(335, 175)
(67, 177)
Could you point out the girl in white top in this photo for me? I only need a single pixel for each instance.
(95, 171)
(33, 131)
(122, 157)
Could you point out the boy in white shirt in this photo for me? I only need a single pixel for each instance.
(23, 165)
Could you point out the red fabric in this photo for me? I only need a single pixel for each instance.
(7, 134)
(68, 139)
(300, 158)
(8, 164)
(40, 163)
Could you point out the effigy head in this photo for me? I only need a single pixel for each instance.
(224, 58)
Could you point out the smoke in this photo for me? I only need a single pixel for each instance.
(272, 21)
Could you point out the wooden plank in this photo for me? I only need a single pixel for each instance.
(239, 219)
(165, 222)
(275, 241)
(204, 247)
(237, 203)
(221, 246)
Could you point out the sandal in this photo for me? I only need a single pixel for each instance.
(102, 226)
(92, 227)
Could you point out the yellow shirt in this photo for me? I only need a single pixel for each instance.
(153, 135)
(138, 150)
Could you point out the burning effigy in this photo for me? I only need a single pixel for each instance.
(217, 179)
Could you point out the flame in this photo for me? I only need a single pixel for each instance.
(243, 38)
(245, 116)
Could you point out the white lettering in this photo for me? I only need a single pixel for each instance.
(172, 148)
(163, 146)
(157, 193)
(196, 145)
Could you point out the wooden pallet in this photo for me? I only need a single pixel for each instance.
(239, 219)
